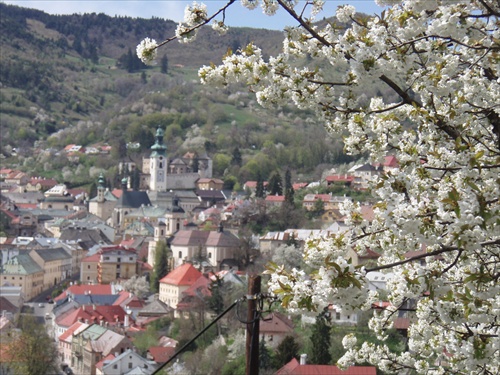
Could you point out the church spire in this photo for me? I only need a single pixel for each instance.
(159, 148)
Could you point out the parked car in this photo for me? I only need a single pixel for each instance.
(41, 305)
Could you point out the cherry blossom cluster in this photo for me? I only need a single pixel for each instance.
(420, 82)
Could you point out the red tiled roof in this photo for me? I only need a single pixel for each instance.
(161, 354)
(27, 206)
(390, 161)
(100, 289)
(199, 286)
(299, 185)
(276, 325)
(339, 178)
(69, 332)
(182, 275)
(117, 192)
(94, 314)
(275, 198)
(127, 243)
(47, 182)
(99, 364)
(92, 258)
(295, 368)
(108, 249)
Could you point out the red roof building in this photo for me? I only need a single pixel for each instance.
(275, 200)
(274, 329)
(294, 367)
(176, 282)
(85, 290)
(103, 315)
(340, 179)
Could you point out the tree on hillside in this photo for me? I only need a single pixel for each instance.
(164, 64)
(161, 265)
(259, 187)
(320, 339)
(289, 192)
(436, 221)
(275, 184)
(32, 351)
(286, 350)
(236, 158)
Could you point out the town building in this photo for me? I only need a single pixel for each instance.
(22, 271)
(176, 282)
(210, 247)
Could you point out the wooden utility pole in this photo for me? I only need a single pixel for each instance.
(252, 332)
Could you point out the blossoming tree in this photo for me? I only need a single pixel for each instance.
(440, 60)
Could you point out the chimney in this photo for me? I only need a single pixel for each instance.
(303, 359)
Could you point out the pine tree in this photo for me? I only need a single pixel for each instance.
(216, 300)
(289, 192)
(259, 188)
(164, 64)
(275, 185)
(320, 338)
(265, 358)
(285, 351)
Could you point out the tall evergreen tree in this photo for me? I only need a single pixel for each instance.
(259, 188)
(164, 64)
(285, 351)
(161, 265)
(136, 179)
(320, 338)
(265, 357)
(289, 192)
(275, 185)
(216, 301)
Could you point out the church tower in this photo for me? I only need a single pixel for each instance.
(100, 189)
(158, 163)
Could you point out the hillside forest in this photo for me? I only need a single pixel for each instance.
(75, 79)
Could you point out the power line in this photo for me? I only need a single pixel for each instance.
(198, 335)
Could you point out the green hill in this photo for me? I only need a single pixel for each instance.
(76, 79)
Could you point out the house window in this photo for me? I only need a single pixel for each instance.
(88, 267)
(130, 365)
(131, 258)
(337, 316)
(115, 366)
(180, 254)
(209, 255)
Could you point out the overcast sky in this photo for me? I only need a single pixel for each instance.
(174, 10)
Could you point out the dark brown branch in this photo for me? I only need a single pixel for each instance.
(304, 24)
(444, 249)
(221, 10)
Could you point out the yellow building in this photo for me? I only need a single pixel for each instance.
(115, 263)
(22, 271)
(56, 264)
